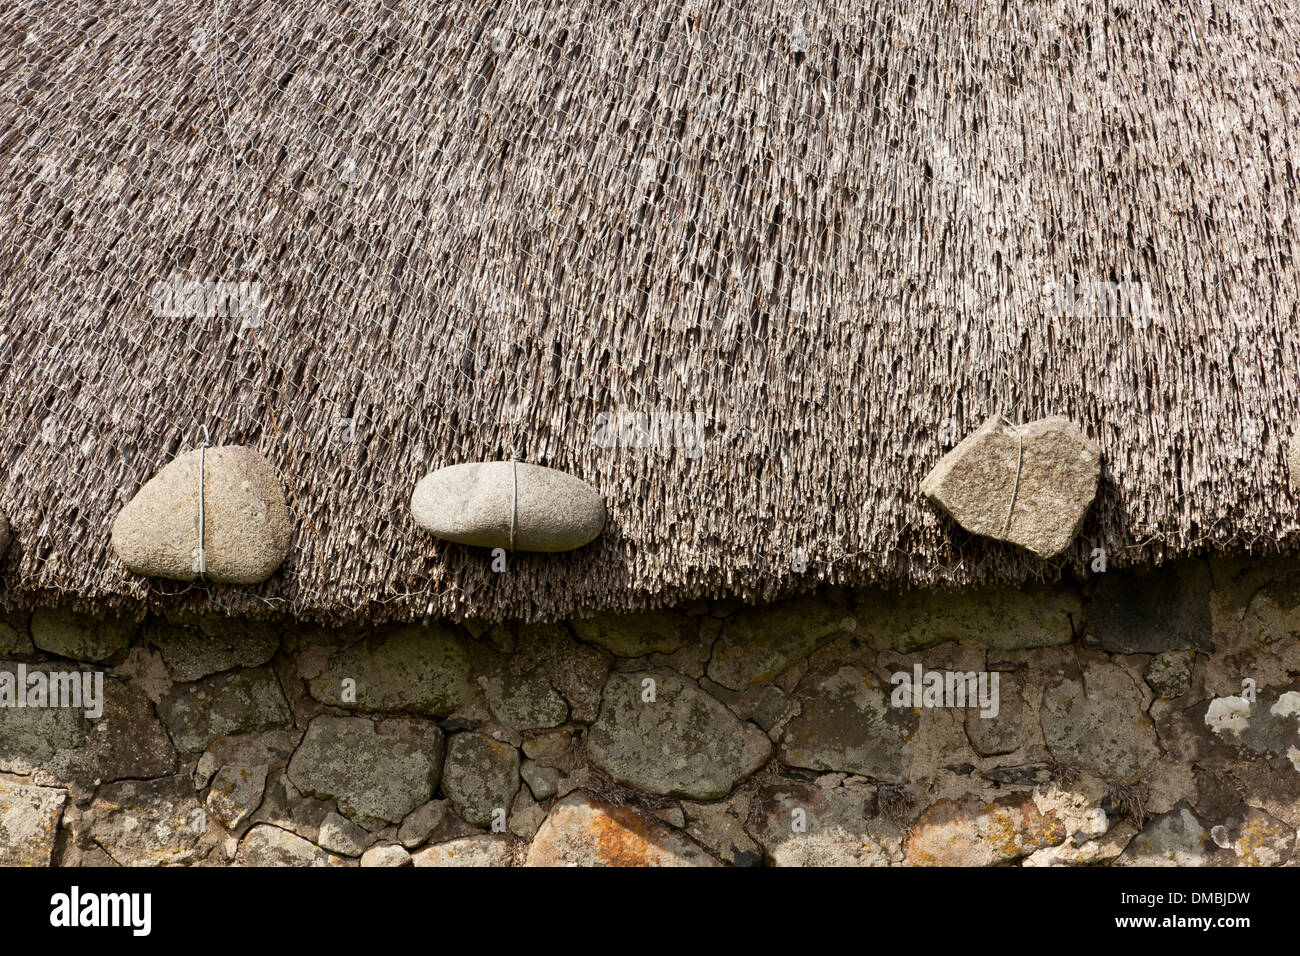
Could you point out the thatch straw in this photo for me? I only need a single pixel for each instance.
(478, 227)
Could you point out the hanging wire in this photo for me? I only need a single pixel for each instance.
(203, 551)
(1020, 457)
(514, 499)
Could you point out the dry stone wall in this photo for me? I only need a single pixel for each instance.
(1138, 718)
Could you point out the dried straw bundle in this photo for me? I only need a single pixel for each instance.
(828, 234)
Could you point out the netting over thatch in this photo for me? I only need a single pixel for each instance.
(838, 234)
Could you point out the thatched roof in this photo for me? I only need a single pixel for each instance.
(826, 229)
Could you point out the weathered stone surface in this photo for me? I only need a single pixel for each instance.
(14, 634)
(1254, 838)
(771, 708)
(526, 815)
(386, 855)
(542, 781)
(1026, 775)
(759, 643)
(1005, 733)
(524, 701)
(237, 702)
(236, 794)
(684, 743)
(1176, 838)
(846, 723)
(481, 776)
(1163, 609)
(720, 827)
(206, 645)
(148, 822)
(29, 823)
(419, 669)
(1268, 726)
(1090, 852)
(265, 845)
(635, 635)
(287, 807)
(555, 748)
(1256, 603)
(978, 833)
(1059, 468)
(247, 526)
(802, 824)
(340, 835)
(1003, 618)
(420, 823)
(125, 742)
(82, 637)
(1169, 674)
(30, 736)
(480, 850)
(272, 748)
(377, 771)
(580, 831)
(1098, 724)
(576, 670)
(473, 503)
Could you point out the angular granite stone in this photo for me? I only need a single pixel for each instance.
(802, 824)
(639, 634)
(1058, 468)
(973, 832)
(486, 849)
(197, 647)
(236, 794)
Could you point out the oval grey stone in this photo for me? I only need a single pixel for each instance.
(473, 504)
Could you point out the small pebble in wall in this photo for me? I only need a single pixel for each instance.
(1028, 484)
(226, 521)
(508, 504)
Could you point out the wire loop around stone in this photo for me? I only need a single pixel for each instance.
(203, 553)
(1020, 458)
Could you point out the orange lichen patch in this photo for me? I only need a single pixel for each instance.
(1257, 845)
(624, 838)
(583, 832)
(974, 833)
